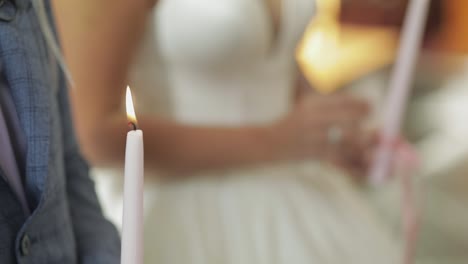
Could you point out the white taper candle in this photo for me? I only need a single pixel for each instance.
(399, 87)
(132, 222)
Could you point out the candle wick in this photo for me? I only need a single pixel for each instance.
(132, 125)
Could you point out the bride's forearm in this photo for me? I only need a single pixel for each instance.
(191, 148)
(183, 148)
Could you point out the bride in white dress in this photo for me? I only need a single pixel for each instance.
(229, 66)
(233, 71)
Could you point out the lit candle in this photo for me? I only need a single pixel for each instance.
(132, 222)
(399, 89)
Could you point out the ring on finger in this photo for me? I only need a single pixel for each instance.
(334, 135)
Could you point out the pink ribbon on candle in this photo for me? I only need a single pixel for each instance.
(392, 150)
(406, 161)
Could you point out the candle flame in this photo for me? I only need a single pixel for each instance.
(129, 105)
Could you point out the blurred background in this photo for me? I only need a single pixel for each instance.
(349, 47)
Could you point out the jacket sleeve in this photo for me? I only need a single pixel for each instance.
(96, 238)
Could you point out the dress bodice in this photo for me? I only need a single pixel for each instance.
(225, 63)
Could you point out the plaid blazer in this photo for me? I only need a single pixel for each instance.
(66, 225)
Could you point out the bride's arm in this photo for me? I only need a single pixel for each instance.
(99, 39)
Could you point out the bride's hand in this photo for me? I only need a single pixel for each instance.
(325, 127)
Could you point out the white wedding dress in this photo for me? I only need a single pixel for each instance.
(226, 67)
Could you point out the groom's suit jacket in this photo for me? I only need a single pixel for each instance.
(66, 225)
